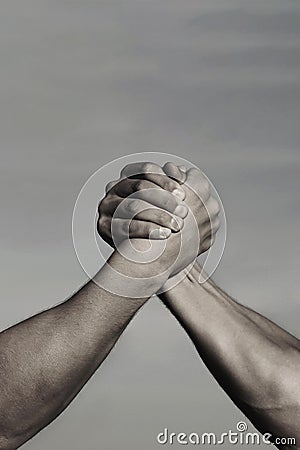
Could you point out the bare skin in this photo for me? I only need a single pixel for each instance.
(256, 362)
(46, 360)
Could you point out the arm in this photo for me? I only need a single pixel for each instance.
(256, 362)
(46, 360)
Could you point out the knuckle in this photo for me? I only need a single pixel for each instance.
(124, 204)
(125, 225)
(99, 227)
(134, 205)
(169, 164)
(170, 203)
(214, 206)
(110, 185)
(102, 224)
(102, 205)
(150, 227)
(163, 218)
(123, 207)
(101, 221)
(168, 184)
(148, 167)
(140, 185)
(169, 167)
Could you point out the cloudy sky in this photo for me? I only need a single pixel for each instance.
(214, 81)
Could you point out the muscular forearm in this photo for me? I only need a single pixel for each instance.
(46, 360)
(255, 361)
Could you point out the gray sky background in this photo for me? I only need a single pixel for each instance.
(214, 81)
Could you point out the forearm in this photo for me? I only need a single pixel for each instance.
(46, 360)
(256, 362)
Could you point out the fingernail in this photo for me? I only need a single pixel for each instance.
(181, 211)
(179, 193)
(183, 169)
(164, 232)
(177, 223)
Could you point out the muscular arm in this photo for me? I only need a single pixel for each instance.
(47, 359)
(256, 362)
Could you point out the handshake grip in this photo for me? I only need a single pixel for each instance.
(158, 220)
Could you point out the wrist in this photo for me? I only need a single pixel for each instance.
(178, 286)
(176, 281)
(128, 274)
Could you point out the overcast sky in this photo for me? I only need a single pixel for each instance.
(83, 82)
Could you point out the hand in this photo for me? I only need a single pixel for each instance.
(149, 197)
(145, 194)
(153, 204)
